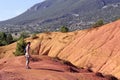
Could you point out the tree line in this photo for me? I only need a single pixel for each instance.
(5, 39)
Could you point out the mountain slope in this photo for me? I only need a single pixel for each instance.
(97, 48)
(77, 14)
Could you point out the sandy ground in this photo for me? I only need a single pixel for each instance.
(42, 68)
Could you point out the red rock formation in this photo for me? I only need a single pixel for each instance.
(98, 48)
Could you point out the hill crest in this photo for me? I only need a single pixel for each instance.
(51, 15)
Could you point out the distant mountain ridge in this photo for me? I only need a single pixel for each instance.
(51, 14)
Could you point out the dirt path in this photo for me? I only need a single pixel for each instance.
(42, 68)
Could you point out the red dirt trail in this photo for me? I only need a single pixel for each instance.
(42, 68)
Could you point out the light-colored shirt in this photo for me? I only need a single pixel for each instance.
(27, 51)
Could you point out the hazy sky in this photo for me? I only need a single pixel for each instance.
(12, 8)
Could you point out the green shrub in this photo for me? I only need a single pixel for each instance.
(64, 29)
(3, 42)
(21, 44)
(24, 35)
(9, 38)
(15, 39)
(5, 39)
(98, 23)
(3, 36)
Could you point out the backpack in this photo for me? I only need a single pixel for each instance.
(24, 50)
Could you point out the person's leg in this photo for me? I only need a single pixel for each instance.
(27, 62)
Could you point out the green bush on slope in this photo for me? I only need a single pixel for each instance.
(21, 44)
(98, 23)
(64, 29)
(5, 39)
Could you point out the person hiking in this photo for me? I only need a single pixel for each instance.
(27, 55)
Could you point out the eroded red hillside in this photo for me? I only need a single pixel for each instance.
(97, 48)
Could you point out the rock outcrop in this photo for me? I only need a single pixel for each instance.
(98, 48)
